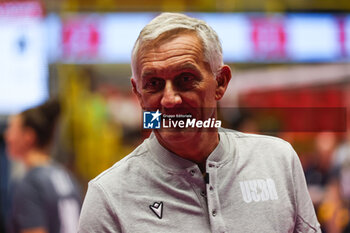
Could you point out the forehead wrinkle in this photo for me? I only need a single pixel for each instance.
(160, 56)
(154, 67)
(154, 71)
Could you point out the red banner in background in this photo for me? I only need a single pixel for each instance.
(94, 38)
(13, 9)
(81, 38)
(268, 37)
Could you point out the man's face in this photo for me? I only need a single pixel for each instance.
(173, 78)
(17, 138)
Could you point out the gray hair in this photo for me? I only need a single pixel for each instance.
(167, 22)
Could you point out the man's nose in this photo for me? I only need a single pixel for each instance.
(170, 96)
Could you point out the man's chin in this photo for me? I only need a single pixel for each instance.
(176, 135)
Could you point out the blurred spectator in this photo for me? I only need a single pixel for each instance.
(341, 166)
(318, 170)
(335, 207)
(4, 172)
(323, 183)
(47, 198)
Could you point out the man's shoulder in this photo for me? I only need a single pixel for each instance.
(253, 137)
(267, 153)
(254, 142)
(36, 177)
(123, 168)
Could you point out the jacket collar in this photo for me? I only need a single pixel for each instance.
(172, 162)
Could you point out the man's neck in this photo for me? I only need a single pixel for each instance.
(196, 149)
(36, 158)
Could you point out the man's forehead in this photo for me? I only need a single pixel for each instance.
(153, 44)
(151, 71)
(15, 120)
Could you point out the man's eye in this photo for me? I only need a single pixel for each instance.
(186, 81)
(186, 78)
(154, 84)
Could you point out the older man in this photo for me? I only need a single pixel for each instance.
(199, 180)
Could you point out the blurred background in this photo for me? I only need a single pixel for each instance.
(291, 78)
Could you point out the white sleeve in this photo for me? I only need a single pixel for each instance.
(306, 220)
(97, 214)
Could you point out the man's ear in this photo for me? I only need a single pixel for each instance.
(30, 137)
(136, 92)
(222, 79)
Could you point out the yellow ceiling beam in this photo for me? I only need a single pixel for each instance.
(200, 5)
